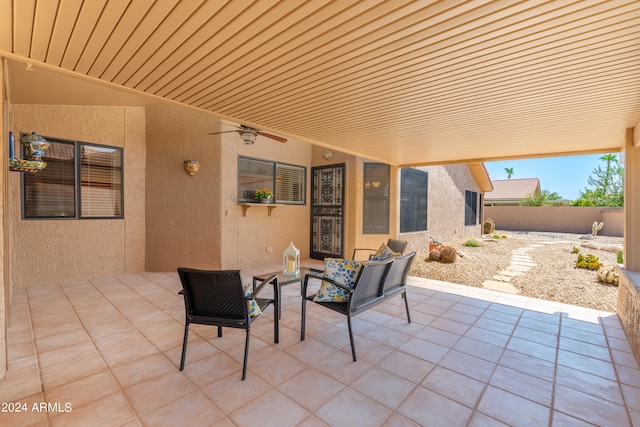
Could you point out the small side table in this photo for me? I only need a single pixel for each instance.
(283, 279)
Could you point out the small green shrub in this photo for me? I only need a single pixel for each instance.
(473, 243)
(497, 236)
(590, 262)
(575, 250)
(620, 257)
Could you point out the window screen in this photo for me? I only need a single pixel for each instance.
(413, 200)
(471, 208)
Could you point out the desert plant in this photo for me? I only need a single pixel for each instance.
(590, 262)
(595, 228)
(575, 250)
(448, 254)
(434, 255)
(489, 226)
(473, 243)
(620, 256)
(608, 276)
(496, 236)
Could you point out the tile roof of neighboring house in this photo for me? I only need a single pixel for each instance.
(513, 189)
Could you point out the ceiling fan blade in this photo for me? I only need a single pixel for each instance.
(268, 135)
(224, 131)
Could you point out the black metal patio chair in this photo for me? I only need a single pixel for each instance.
(217, 298)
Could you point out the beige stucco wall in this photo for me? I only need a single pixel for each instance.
(196, 221)
(566, 219)
(5, 288)
(446, 206)
(49, 251)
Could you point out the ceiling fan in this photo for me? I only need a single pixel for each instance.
(249, 134)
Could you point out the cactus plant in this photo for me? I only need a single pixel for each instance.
(608, 276)
(448, 254)
(595, 228)
(489, 226)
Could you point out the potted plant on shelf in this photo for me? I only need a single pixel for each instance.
(264, 195)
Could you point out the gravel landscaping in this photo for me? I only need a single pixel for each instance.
(553, 278)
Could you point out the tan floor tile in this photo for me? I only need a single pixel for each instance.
(20, 412)
(310, 388)
(21, 350)
(350, 408)
(312, 421)
(119, 355)
(159, 391)
(589, 383)
(191, 410)
(500, 404)
(524, 385)
(67, 339)
(277, 368)
(340, 366)
(22, 366)
(310, 351)
(205, 371)
(418, 407)
(231, 393)
(407, 366)
(425, 350)
(84, 391)
(72, 370)
(383, 387)
(109, 411)
(197, 349)
(589, 408)
(455, 386)
(271, 409)
(466, 364)
(62, 355)
(20, 387)
(143, 370)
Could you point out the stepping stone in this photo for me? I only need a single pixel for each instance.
(511, 273)
(500, 286)
(529, 265)
(514, 267)
(502, 278)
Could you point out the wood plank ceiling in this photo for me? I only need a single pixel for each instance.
(406, 82)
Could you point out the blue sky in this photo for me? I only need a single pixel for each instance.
(566, 176)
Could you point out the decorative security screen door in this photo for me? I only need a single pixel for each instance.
(327, 211)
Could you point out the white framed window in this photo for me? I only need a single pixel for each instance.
(288, 182)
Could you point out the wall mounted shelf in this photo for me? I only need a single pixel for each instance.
(269, 206)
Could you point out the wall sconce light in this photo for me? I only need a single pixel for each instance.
(36, 145)
(191, 166)
(291, 260)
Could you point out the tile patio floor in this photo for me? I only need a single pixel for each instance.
(110, 348)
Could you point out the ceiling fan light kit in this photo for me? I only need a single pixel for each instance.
(248, 137)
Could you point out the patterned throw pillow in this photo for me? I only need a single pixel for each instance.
(254, 308)
(384, 252)
(343, 271)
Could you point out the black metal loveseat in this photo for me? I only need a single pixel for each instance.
(376, 282)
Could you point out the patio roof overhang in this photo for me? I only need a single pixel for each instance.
(406, 83)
